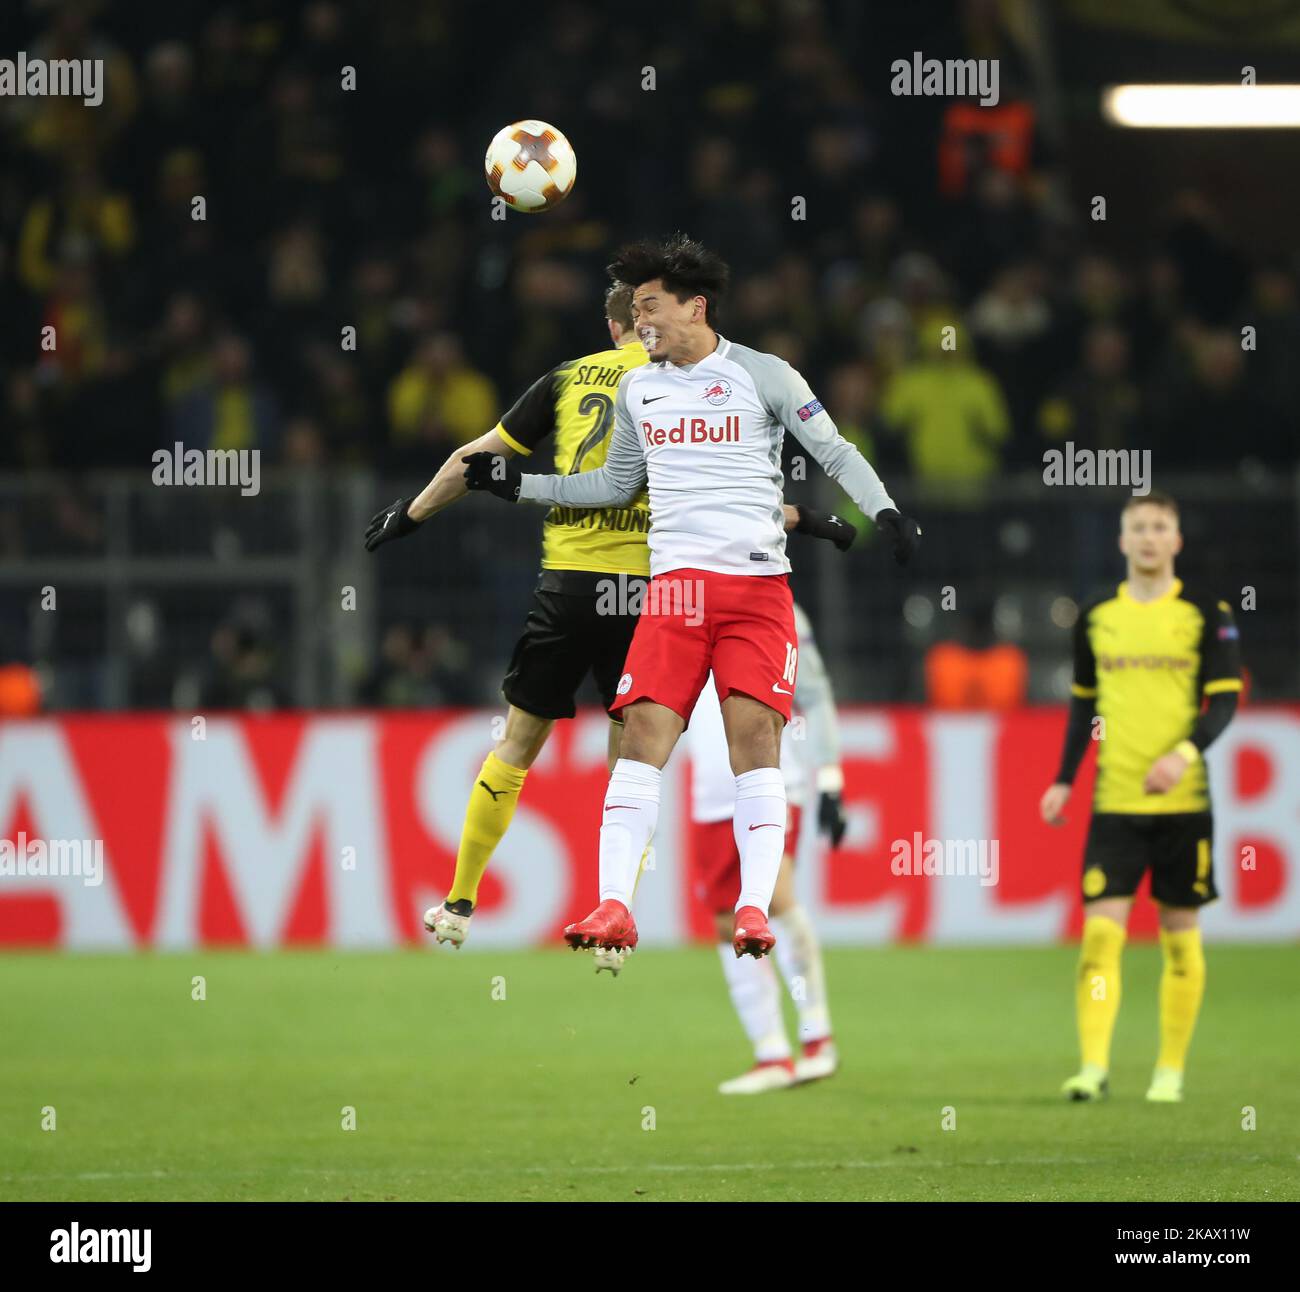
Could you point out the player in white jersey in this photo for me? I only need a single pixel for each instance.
(810, 753)
(702, 425)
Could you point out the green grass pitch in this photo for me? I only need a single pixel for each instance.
(544, 1094)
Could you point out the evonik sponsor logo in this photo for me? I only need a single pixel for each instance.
(1109, 663)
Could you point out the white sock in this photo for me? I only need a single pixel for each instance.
(759, 826)
(756, 995)
(799, 956)
(626, 826)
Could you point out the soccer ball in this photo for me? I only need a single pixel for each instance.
(531, 165)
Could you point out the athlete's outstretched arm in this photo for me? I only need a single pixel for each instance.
(790, 400)
(404, 516)
(619, 481)
(800, 519)
(843, 462)
(529, 421)
(449, 484)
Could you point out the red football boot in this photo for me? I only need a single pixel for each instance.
(609, 925)
(752, 936)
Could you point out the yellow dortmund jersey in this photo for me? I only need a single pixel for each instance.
(575, 402)
(1148, 663)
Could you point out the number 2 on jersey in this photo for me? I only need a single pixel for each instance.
(603, 408)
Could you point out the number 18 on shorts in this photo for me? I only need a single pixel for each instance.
(741, 627)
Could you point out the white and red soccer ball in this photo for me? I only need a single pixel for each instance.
(531, 165)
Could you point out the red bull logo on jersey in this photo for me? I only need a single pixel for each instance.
(717, 392)
(693, 430)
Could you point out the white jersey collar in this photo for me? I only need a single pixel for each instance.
(718, 352)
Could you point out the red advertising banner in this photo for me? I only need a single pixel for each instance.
(161, 831)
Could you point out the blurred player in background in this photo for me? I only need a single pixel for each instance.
(703, 425)
(810, 747)
(568, 633)
(1145, 655)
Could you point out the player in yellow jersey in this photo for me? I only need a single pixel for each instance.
(1145, 657)
(592, 561)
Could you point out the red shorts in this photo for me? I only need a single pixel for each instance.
(739, 625)
(715, 863)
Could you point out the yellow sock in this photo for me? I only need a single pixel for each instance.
(487, 816)
(1182, 984)
(1096, 992)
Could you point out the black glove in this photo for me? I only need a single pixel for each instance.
(495, 473)
(391, 523)
(830, 816)
(903, 532)
(840, 532)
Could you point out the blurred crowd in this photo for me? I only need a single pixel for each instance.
(201, 240)
(202, 243)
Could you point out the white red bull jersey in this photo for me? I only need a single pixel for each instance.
(706, 438)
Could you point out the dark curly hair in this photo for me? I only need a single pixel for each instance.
(685, 266)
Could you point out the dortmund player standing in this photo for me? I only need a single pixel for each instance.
(566, 635)
(1145, 655)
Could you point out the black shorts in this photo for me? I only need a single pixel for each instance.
(585, 628)
(1177, 847)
